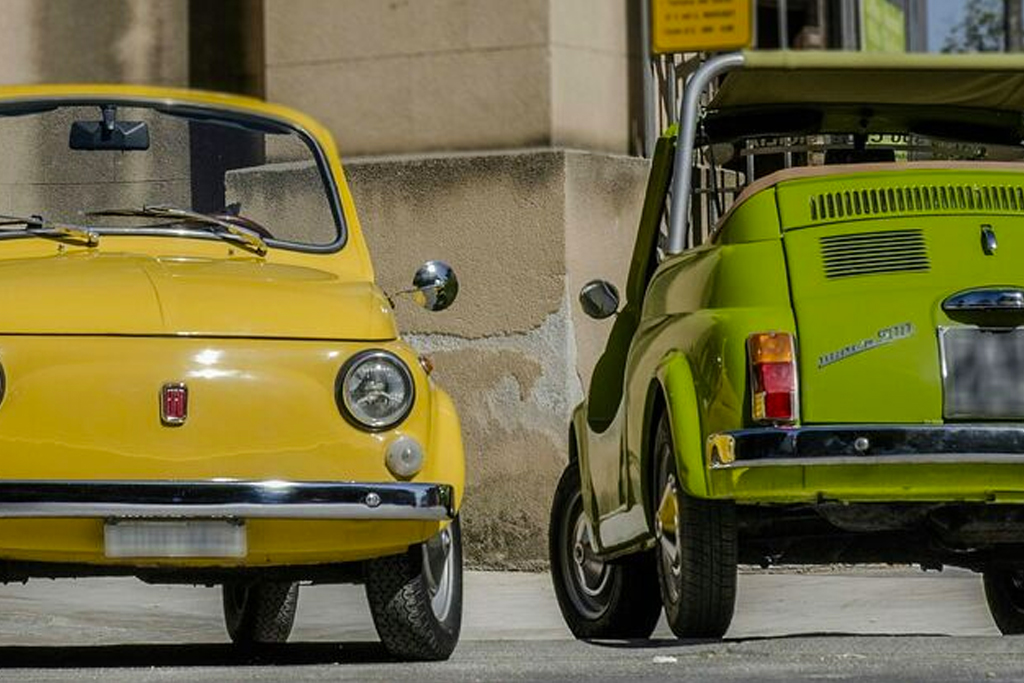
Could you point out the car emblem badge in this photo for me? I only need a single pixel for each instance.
(886, 335)
(174, 404)
(988, 240)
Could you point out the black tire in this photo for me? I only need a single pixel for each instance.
(598, 600)
(1004, 592)
(259, 612)
(697, 559)
(416, 597)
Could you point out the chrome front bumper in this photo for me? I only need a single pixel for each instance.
(232, 499)
(867, 444)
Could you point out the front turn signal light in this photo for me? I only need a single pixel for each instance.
(773, 377)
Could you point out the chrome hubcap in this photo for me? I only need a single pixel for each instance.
(666, 526)
(591, 572)
(438, 571)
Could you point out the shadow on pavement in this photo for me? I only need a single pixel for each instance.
(189, 655)
(655, 643)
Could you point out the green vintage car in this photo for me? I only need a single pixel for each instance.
(819, 355)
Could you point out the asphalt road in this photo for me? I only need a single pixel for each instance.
(865, 625)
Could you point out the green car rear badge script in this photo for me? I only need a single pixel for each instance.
(884, 336)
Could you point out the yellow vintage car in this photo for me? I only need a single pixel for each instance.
(201, 382)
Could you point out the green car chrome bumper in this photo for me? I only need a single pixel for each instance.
(862, 444)
(962, 462)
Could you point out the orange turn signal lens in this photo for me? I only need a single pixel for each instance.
(770, 347)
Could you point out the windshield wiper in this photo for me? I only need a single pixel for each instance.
(39, 226)
(234, 233)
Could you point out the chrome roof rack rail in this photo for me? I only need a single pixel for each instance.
(678, 227)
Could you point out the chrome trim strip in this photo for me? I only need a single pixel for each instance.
(871, 445)
(931, 459)
(679, 212)
(231, 498)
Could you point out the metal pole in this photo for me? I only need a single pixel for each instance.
(682, 175)
(849, 25)
(670, 89)
(1013, 25)
(783, 25)
(753, 25)
(650, 96)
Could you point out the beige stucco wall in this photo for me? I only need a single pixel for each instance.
(523, 230)
(427, 75)
(589, 62)
(62, 41)
(70, 41)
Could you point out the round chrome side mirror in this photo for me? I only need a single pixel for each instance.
(435, 286)
(599, 299)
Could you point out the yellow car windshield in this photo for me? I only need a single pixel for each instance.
(99, 164)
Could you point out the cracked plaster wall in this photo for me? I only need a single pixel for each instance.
(523, 230)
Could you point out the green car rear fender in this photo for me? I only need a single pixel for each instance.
(691, 345)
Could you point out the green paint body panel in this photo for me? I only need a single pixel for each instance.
(763, 270)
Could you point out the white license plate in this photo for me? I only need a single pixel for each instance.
(983, 373)
(174, 538)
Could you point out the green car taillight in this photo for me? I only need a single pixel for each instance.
(773, 377)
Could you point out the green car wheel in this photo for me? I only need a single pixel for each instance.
(697, 551)
(598, 599)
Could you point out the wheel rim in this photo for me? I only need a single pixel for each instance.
(667, 529)
(586, 577)
(438, 572)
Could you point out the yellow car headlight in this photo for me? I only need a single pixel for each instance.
(375, 390)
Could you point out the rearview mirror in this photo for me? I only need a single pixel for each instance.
(109, 133)
(126, 135)
(599, 299)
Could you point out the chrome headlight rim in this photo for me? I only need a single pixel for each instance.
(342, 399)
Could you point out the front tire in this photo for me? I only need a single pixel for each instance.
(1004, 592)
(598, 599)
(416, 597)
(697, 550)
(259, 612)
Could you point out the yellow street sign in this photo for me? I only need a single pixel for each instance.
(700, 25)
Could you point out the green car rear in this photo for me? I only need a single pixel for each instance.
(889, 369)
(827, 366)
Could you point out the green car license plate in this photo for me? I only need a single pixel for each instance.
(174, 538)
(982, 373)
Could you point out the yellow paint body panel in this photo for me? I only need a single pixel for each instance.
(88, 336)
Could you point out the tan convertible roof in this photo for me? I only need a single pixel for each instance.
(986, 81)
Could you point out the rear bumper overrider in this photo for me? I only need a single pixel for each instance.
(866, 444)
(227, 499)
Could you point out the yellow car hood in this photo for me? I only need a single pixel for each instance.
(129, 294)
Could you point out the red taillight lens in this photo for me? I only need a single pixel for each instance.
(773, 380)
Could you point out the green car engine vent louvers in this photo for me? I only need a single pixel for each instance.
(874, 253)
(869, 203)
